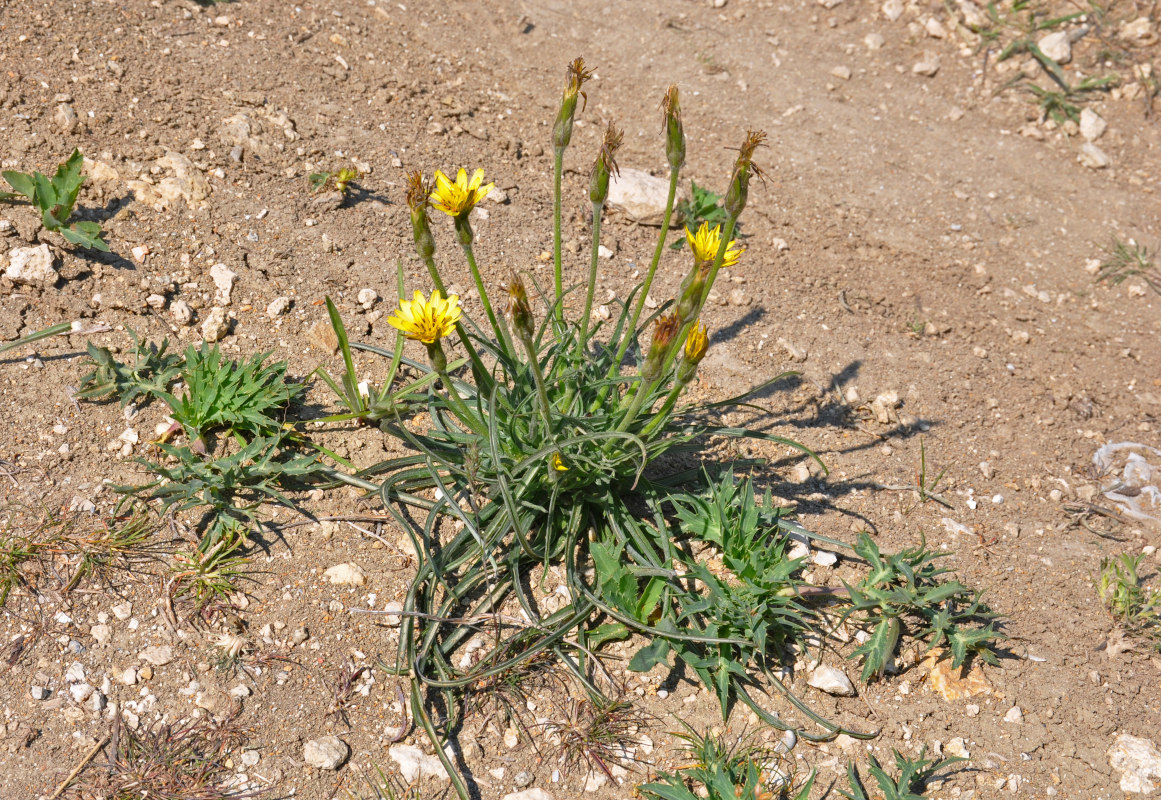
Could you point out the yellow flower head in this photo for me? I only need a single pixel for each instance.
(458, 197)
(704, 245)
(426, 320)
(558, 463)
(696, 343)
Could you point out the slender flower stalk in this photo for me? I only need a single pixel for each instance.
(735, 203)
(574, 78)
(604, 168)
(696, 344)
(428, 320)
(664, 332)
(457, 199)
(519, 314)
(419, 191)
(675, 155)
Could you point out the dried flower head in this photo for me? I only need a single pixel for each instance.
(519, 311)
(419, 190)
(426, 320)
(574, 78)
(606, 164)
(744, 169)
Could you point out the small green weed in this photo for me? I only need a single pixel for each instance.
(228, 489)
(721, 769)
(702, 205)
(247, 397)
(908, 586)
(1132, 604)
(383, 786)
(55, 198)
(17, 548)
(116, 545)
(333, 181)
(909, 784)
(152, 373)
(926, 488)
(1124, 260)
(203, 577)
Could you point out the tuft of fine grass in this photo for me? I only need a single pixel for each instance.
(1124, 260)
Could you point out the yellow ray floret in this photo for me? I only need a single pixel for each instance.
(704, 245)
(696, 343)
(459, 196)
(426, 320)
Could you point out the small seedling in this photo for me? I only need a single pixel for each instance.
(1124, 260)
(927, 489)
(205, 577)
(152, 373)
(1132, 604)
(343, 689)
(910, 784)
(383, 786)
(55, 198)
(720, 769)
(333, 181)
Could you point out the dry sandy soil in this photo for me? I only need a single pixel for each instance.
(923, 235)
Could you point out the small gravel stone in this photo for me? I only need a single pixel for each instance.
(33, 266)
(38, 692)
(122, 611)
(842, 73)
(394, 609)
(328, 752)
(1138, 761)
(874, 41)
(182, 313)
(75, 673)
(1092, 125)
(1056, 46)
(158, 655)
(927, 65)
(1015, 714)
(250, 758)
(892, 9)
(278, 306)
(216, 325)
(80, 692)
(604, 252)
(367, 298)
(155, 301)
(346, 574)
(414, 763)
(832, 681)
(532, 794)
(101, 633)
(523, 778)
(1093, 157)
(824, 558)
(223, 278)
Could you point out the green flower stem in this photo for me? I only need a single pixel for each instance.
(679, 340)
(663, 413)
(500, 330)
(639, 396)
(598, 208)
(538, 376)
(557, 276)
(630, 331)
(479, 374)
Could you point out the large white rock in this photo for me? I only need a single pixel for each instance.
(414, 763)
(328, 752)
(832, 681)
(346, 574)
(223, 278)
(1139, 762)
(158, 655)
(640, 196)
(32, 266)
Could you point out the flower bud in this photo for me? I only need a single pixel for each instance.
(664, 332)
(696, 344)
(519, 312)
(574, 78)
(692, 288)
(674, 132)
(418, 191)
(744, 169)
(605, 165)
